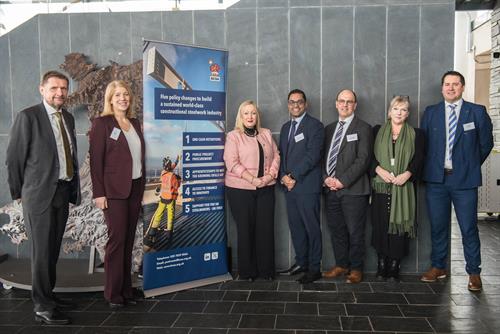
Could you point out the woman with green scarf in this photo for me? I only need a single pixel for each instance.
(399, 153)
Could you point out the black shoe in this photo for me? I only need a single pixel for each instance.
(53, 317)
(246, 278)
(393, 270)
(130, 301)
(66, 304)
(309, 277)
(382, 267)
(293, 270)
(116, 306)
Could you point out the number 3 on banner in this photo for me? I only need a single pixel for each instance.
(187, 174)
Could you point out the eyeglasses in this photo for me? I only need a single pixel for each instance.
(348, 102)
(299, 102)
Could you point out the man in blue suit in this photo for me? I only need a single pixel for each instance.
(301, 146)
(459, 139)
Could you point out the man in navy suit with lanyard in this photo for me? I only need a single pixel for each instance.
(459, 139)
(301, 146)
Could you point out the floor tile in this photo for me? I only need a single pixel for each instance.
(218, 307)
(373, 310)
(326, 297)
(361, 287)
(141, 319)
(428, 299)
(355, 324)
(401, 324)
(236, 295)
(301, 308)
(257, 321)
(321, 322)
(380, 298)
(279, 296)
(449, 324)
(208, 320)
(179, 306)
(332, 309)
(258, 308)
(424, 310)
(199, 295)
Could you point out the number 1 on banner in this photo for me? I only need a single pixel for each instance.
(187, 139)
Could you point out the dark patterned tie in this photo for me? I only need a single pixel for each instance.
(334, 152)
(67, 149)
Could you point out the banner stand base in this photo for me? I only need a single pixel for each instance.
(187, 285)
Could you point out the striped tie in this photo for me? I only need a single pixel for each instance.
(452, 128)
(334, 152)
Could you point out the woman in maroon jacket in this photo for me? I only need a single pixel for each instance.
(118, 178)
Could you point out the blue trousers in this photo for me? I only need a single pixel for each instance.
(439, 197)
(303, 219)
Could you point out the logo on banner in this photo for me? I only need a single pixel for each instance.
(210, 256)
(214, 71)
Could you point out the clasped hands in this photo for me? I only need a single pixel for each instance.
(261, 182)
(333, 183)
(389, 177)
(288, 182)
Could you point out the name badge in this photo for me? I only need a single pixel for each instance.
(393, 162)
(115, 133)
(299, 137)
(352, 137)
(469, 126)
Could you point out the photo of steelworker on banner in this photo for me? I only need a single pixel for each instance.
(184, 123)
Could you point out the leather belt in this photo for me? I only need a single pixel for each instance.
(448, 171)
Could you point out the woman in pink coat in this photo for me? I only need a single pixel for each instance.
(252, 162)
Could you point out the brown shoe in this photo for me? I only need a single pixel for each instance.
(354, 277)
(336, 272)
(475, 284)
(433, 274)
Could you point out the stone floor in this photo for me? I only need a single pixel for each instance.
(284, 306)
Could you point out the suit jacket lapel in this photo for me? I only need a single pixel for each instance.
(47, 125)
(351, 129)
(462, 119)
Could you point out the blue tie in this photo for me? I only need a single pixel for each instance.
(292, 132)
(334, 152)
(452, 128)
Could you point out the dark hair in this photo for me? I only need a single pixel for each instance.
(53, 74)
(297, 91)
(455, 73)
(350, 90)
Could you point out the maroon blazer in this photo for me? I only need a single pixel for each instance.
(110, 159)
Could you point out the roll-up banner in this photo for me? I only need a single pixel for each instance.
(184, 123)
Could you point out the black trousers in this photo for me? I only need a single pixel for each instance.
(45, 230)
(346, 218)
(253, 212)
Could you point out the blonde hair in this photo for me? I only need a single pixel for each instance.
(110, 91)
(399, 99)
(239, 117)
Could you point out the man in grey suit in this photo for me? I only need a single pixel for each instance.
(43, 175)
(348, 154)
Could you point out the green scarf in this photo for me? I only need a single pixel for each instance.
(402, 215)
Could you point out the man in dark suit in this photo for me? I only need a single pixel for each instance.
(459, 139)
(301, 146)
(43, 174)
(348, 154)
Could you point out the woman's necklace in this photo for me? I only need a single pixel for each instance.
(250, 132)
